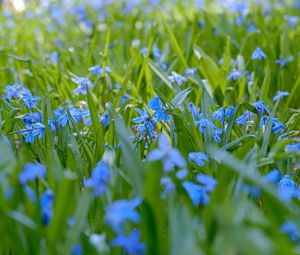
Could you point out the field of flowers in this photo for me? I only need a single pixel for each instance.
(149, 127)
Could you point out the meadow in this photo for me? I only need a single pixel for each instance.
(149, 127)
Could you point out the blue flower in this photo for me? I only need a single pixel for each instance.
(155, 104)
(277, 126)
(121, 211)
(287, 189)
(219, 115)
(155, 51)
(145, 123)
(193, 110)
(131, 244)
(36, 129)
(171, 157)
(283, 61)
(190, 71)
(207, 181)
(168, 186)
(244, 118)
(290, 228)
(292, 20)
(292, 147)
(198, 158)
(46, 202)
(97, 70)
(229, 111)
(13, 91)
(217, 134)
(99, 179)
(197, 194)
(52, 125)
(261, 107)
(203, 123)
(234, 75)
(258, 54)
(181, 174)
(251, 28)
(83, 84)
(29, 100)
(177, 78)
(31, 171)
(279, 95)
(273, 177)
(77, 249)
(31, 118)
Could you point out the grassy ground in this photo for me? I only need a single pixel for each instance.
(150, 127)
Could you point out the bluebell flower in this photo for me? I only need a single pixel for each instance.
(219, 115)
(31, 118)
(61, 116)
(177, 78)
(277, 126)
(181, 174)
(253, 190)
(193, 110)
(97, 70)
(46, 202)
(54, 57)
(171, 157)
(292, 147)
(168, 185)
(31, 171)
(105, 119)
(273, 177)
(30, 101)
(198, 158)
(283, 61)
(290, 228)
(288, 189)
(261, 107)
(229, 111)
(190, 71)
(279, 95)
(208, 182)
(217, 134)
(121, 211)
(251, 28)
(36, 129)
(13, 91)
(258, 54)
(145, 123)
(131, 244)
(234, 75)
(197, 194)
(52, 125)
(77, 249)
(161, 115)
(155, 51)
(244, 118)
(232, 62)
(83, 84)
(292, 20)
(203, 123)
(155, 104)
(99, 179)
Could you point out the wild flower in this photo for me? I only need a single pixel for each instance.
(177, 78)
(99, 179)
(258, 54)
(171, 157)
